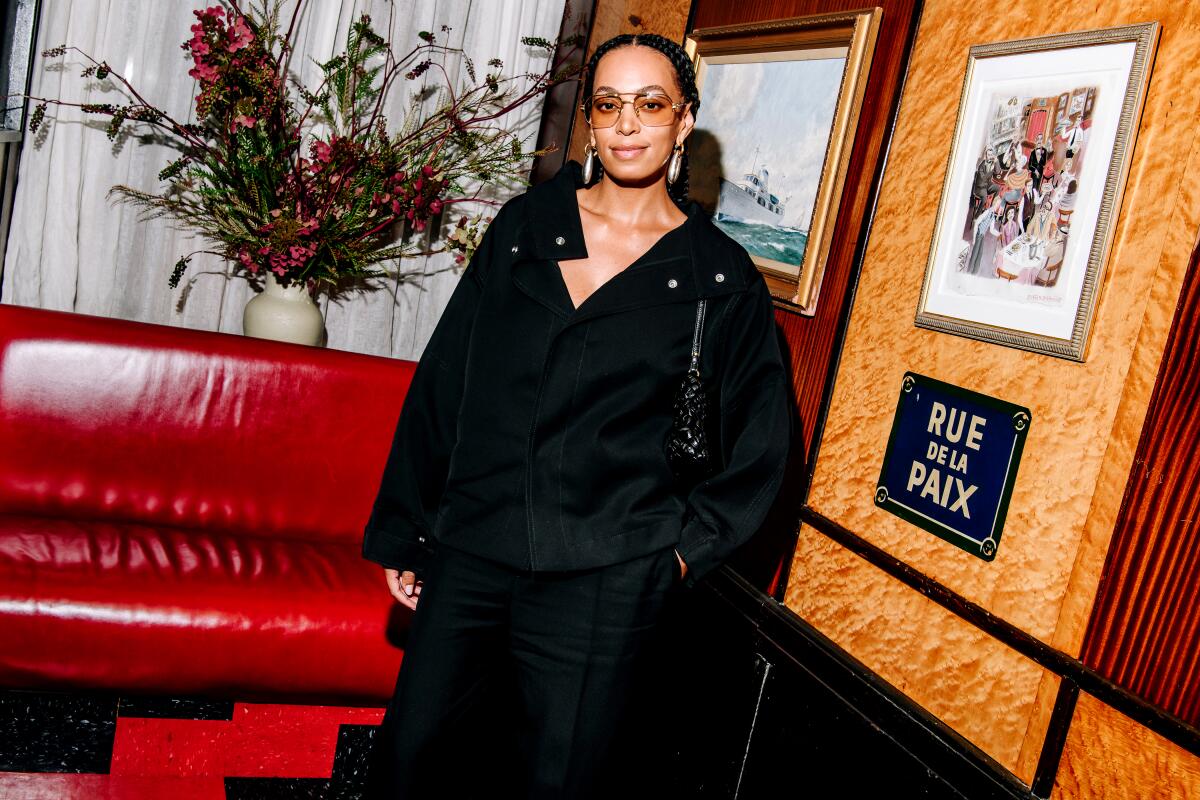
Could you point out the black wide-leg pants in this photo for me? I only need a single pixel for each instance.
(528, 684)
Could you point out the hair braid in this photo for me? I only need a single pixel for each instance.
(685, 76)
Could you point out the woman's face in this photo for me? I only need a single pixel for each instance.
(630, 151)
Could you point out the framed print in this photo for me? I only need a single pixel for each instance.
(1040, 154)
(779, 105)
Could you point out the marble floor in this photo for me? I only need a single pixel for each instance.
(77, 746)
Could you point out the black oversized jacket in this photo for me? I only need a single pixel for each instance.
(533, 432)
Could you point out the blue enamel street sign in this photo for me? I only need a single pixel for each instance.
(951, 462)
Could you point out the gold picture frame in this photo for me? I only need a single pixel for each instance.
(792, 251)
(1064, 109)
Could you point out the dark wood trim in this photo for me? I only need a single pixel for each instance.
(1056, 739)
(797, 648)
(558, 111)
(1089, 680)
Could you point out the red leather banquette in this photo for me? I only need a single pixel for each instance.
(181, 512)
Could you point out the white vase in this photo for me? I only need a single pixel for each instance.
(285, 315)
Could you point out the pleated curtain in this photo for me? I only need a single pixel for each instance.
(73, 248)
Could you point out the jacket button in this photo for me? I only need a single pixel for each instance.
(672, 283)
(720, 277)
(560, 240)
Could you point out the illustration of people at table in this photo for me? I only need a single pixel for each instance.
(1024, 187)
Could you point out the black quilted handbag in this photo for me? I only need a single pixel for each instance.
(686, 446)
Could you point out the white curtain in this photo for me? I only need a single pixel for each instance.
(72, 248)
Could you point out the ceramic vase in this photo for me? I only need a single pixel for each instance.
(285, 315)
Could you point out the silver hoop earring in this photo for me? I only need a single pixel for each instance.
(675, 165)
(589, 163)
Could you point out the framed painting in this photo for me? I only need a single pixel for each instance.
(779, 105)
(1040, 155)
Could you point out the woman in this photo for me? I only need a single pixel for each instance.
(527, 512)
(1005, 235)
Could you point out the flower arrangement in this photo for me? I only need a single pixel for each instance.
(310, 185)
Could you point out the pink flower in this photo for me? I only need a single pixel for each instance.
(244, 121)
(435, 206)
(427, 170)
(322, 152)
(240, 34)
(200, 47)
(247, 260)
(396, 206)
(203, 72)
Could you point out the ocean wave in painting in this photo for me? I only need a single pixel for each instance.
(768, 241)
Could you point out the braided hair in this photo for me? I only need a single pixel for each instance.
(685, 76)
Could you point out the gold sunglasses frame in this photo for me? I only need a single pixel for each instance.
(619, 95)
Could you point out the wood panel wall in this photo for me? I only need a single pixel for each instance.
(1087, 418)
(1145, 628)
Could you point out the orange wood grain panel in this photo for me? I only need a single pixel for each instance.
(1108, 755)
(1087, 417)
(1145, 628)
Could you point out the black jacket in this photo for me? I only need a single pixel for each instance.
(533, 432)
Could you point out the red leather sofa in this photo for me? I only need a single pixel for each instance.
(181, 512)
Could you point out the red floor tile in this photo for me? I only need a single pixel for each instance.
(262, 740)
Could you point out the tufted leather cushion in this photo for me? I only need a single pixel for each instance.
(182, 511)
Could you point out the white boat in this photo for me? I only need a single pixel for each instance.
(750, 200)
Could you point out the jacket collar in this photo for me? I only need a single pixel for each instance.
(550, 229)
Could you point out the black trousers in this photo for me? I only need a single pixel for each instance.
(529, 684)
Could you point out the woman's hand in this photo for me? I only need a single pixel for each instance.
(404, 586)
(682, 566)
